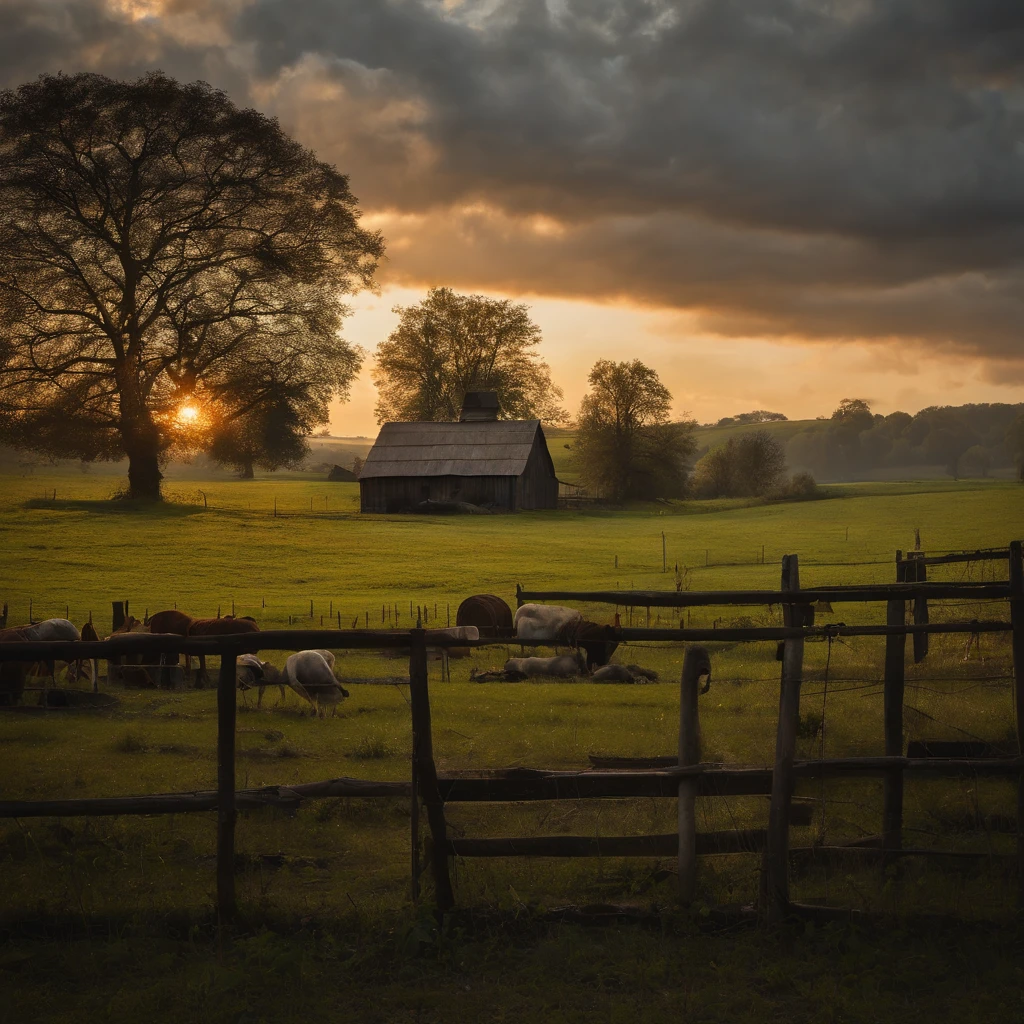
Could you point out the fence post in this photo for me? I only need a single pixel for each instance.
(775, 872)
(226, 787)
(895, 657)
(426, 770)
(1017, 645)
(117, 617)
(696, 662)
(917, 572)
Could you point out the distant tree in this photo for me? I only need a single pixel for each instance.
(626, 445)
(271, 436)
(1015, 444)
(853, 410)
(746, 465)
(759, 416)
(449, 344)
(975, 462)
(167, 262)
(357, 466)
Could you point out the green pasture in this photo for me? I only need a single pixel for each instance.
(342, 866)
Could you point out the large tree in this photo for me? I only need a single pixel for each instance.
(449, 344)
(626, 445)
(168, 263)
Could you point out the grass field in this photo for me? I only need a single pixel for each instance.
(341, 866)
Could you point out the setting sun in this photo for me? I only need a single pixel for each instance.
(188, 415)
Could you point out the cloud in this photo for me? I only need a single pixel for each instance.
(842, 169)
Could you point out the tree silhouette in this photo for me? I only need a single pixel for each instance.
(449, 344)
(168, 263)
(626, 446)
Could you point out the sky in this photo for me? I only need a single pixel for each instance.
(774, 203)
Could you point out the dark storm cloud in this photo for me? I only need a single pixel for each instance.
(842, 168)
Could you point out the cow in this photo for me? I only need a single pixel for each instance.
(48, 629)
(309, 673)
(546, 622)
(227, 626)
(565, 626)
(624, 674)
(562, 666)
(182, 624)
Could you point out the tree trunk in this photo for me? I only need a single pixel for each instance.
(247, 472)
(142, 446)
(144, 474)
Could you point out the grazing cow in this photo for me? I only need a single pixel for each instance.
(563, 666)
(181, 624)
(49, 629)
(309, 673)
(128, 668)
(75, 668)
(311, 676)
(248, 672)
(227, 626)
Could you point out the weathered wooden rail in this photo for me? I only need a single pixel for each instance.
(657, 777)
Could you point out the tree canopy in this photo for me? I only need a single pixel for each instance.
(750, 464)
(626, 445)
(169, 264)
(449, 344)
(966, 440)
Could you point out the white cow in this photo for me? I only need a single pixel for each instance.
(563, 666)
(546, 622)
(54, 629)
(309, 673)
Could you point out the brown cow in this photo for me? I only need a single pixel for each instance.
(227, 626)
(182, 624)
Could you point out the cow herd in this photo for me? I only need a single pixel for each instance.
(563, 627)
(310, 674)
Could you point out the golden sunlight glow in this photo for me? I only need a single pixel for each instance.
(188, 415)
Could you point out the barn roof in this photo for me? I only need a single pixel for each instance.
(499, 448)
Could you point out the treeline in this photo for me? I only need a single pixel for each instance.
(966, 441)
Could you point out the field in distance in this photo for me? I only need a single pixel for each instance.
(80, 551)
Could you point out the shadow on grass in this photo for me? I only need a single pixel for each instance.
(167, 509)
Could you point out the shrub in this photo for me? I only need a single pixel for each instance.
(799, 487)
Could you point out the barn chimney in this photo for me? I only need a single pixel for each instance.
(479, 407)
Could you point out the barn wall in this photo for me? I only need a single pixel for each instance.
(395, 494)
(538, 486)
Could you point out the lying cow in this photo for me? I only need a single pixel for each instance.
(562, 666)
(624, 674)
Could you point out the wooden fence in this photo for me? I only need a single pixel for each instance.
(623, 778)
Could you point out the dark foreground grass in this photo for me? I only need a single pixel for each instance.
(516, 967)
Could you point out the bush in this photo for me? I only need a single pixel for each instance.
(799, 487)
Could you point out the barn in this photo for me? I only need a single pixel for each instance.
(481, 460)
